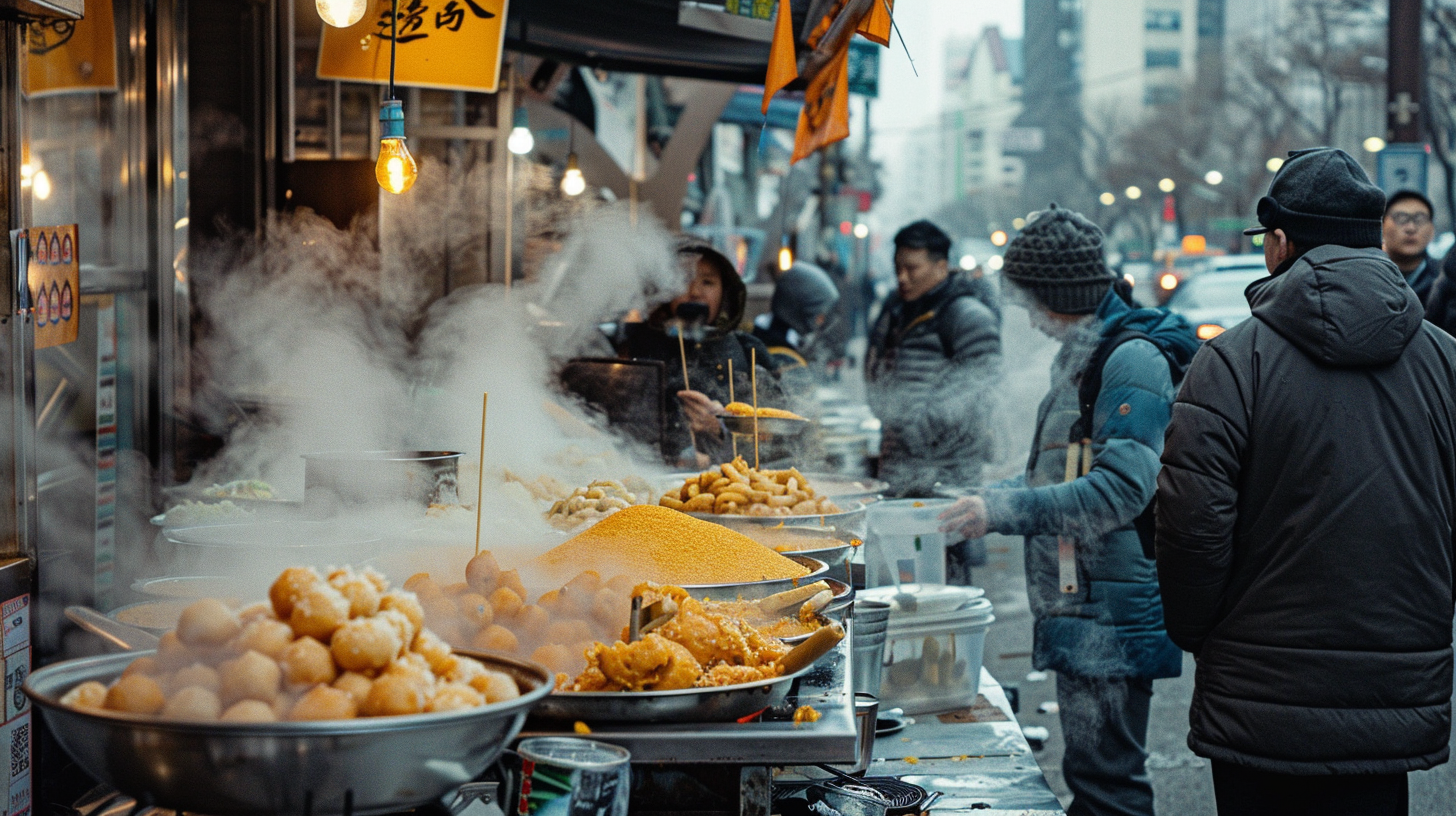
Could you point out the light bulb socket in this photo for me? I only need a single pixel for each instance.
(391, 119)
(520, 119)
(571, 163)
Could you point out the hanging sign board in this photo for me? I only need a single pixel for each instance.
(53, 280)
(450, 44)
(69, 56)
(825, 117)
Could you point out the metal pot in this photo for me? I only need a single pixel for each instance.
(371, 765)
(360, 477)
(753, 590)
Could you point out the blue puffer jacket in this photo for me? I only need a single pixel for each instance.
(1112, 626)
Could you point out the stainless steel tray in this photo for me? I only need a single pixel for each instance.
(365, 766)
(767, 426)
(721, 704)
(754, 590)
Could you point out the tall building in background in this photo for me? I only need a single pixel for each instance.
(982, 100)
(1137, 54)
(1052, 104)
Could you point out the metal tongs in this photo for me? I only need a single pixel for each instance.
(646, 618)
(818, 595)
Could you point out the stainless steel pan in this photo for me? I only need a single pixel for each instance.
(365, 766)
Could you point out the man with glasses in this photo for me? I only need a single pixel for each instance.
(1408, 230)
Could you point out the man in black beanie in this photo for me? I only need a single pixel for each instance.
(1092, 471)
(1305, 514)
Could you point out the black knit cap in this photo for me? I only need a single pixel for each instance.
(1322, 196)
(1057, 258)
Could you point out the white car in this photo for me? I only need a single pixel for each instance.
(1213, 300)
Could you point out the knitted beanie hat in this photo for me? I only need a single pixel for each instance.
(1057, 258)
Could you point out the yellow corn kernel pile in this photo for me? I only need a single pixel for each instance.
(653, 543)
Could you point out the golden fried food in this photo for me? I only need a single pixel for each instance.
(395, 693)
(193, 703)
(453, 697)
(405, 603)
(734, 488)
(318, 611)
(249, 677)
(745, 410)
(249, 711)
(289, 587)
(136, 694)
(307, 662)
(653, 663)
(198, 675)
(496, 686)
(495, 638)
(324, 703)
(264, 636)
(805, 714)
(594, 502)
(481, 572)
(89, 694)
(364, 644)
(475, 608)
(356, 684)
(361, 592)
(435, 651)
(143, 665)
(207, 622)
(172, 653)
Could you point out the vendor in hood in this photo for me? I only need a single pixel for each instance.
(708, 315)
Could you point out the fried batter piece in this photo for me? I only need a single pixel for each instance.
(653, 663)
(714, 637)
(725, 675)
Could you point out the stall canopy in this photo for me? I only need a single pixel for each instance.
(641, 36)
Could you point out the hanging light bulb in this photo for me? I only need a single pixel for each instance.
(396, 169)
(521, 141)
(40, 184)
(786, 258)
(573, 183)
(341, 13)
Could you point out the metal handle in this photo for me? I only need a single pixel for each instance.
(128, 638)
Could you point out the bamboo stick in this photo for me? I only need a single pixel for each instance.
(753, 370)
(682, 350)
(733, 437)
(480, 484)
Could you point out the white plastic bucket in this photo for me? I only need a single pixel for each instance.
(905, 542)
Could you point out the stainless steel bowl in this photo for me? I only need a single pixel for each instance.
(700, 705)
(753, 590)
(848, 523)
(255, 549)
(367, 766)
(360, 477)
(766, 426)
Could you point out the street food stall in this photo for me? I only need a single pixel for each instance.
(269, 548)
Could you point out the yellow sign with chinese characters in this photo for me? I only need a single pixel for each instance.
(66, 56)
(53, 282)
(450, 44)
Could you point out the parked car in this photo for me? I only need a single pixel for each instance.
(1213, 300)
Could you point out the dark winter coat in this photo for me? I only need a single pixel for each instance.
(1423, 278)
(1113, 625)
(1441, 302)
(931, 371)
(1305, 517)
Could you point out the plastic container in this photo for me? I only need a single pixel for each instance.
(871, 622)
(904, 542)
(934, 643)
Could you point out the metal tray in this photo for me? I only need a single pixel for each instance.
(705, 705)
(767, 426)
(754, 590)
(365, 766)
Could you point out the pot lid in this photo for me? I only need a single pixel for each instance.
(923, 599)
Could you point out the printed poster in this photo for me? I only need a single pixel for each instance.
(53, 278)
(450, 44)
(67, 56)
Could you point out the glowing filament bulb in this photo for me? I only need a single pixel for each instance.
(786, 259)
(41, 185)
(573, 183)
(521, 141)
(396, 170)
(341, 13)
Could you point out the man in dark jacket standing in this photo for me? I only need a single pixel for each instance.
(1408, 227)
(932, 365)
(1305, 516)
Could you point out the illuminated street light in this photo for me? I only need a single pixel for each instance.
(861, 230)
(994, 263)
(1213, 177)
(1018, 223)
(1374, 144)
(999, 238)
(1274, 164)
(1166, 185)
(1108, 199)
(1133, 193)
(968, 262)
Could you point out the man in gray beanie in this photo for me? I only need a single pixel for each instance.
(1305, 516)
(803, 297)
(1092, 472)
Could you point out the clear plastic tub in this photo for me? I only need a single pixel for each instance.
(905, 544)
(933, 647)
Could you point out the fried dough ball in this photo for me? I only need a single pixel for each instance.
(89, 694)
(406, 604)
(531, 621)
(290, 586)
(325, 703)
(394, 693)
(569, 631)
(197, 675)
(265, 636)
(506, 602)
(172, 654)
(207, 622)
(622, 585)
(143, 665)
(435, 651)
(495, 638)
(318, 611)
(406, 630)
(482, 572)
(193, 703)
(423, 585)
(262, 610)
(496, 686)
(585, 584)
(511, 579)
(136, 694)
(250, 677)
(356, 684)
(475, 609)
(246, 711)
(414, 666)
(554, 601)
(363, 644)
(363, 595)
(463, 669)
(456, 590)
(455, 697)
(375, 577)
(307, 662)
(556, 657)
(611, 607)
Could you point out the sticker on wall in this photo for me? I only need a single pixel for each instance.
(53, 277)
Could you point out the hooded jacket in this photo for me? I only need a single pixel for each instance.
(1112, 626)
(931, 369)
(1305, 517)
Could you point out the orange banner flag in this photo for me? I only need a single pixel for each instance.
(876, 25)
(783, 66)
(825, 117)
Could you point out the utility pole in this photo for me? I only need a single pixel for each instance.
(1403, 74)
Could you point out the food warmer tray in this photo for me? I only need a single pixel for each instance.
(774, 739)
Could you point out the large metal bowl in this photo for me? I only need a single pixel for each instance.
(753, 590)
(692, 705)
(837, 486)
(848, 523)
(363, 477)
(252, 550)
(364, 766)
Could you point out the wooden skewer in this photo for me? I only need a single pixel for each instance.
(683, 354)
(753, 370)
(480, 484)
(732, 436)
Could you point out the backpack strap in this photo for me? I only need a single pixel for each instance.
(1091, 384)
